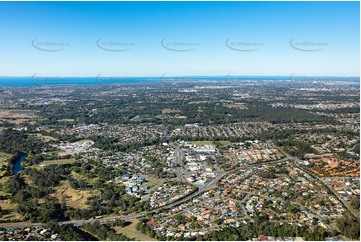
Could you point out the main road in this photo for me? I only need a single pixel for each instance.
(297, 161)
(186, 198)
(178, 161)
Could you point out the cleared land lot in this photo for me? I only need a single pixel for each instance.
(131, 232)
(73, 198)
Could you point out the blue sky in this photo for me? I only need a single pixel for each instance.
(179, 38)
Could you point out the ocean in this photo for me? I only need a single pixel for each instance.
(39, 81)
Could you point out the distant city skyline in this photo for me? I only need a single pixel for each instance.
(86, 39)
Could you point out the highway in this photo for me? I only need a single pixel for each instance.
(185, 199)
(178, 160)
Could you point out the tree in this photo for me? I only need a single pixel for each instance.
(355, 203)
(349, 227)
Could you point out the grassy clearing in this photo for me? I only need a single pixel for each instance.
(3, 186)
(168, 110)
(73, 198)
(57, 162)
(9, 210)
(200, 143)
(79, 176)
(46, 138)
(225, 143)
(46, 129)
(18, 121)
(198, 102)
(24, 111)
(131, 232)
(153, 181)
(27, 180)
(18, 116)
(6, 204)
(4, 157)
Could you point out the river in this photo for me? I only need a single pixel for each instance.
(17, 166)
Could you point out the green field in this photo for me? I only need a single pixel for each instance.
(4, 157)
(207, 142)
(131, 232)
(198, 102)
(200, 143)
(225, 142)
(74, 198)
(168, 110)
(10, 210)
(153, 182)
(57, 162)
(24, 112)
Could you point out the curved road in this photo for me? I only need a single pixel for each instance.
(206, 187)
(179, 202)
(296, 161)
(138, 215)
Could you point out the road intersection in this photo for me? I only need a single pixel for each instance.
(184, 199)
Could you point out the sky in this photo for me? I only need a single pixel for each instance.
(179, 38)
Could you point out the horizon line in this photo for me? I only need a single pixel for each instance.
(182, 76)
